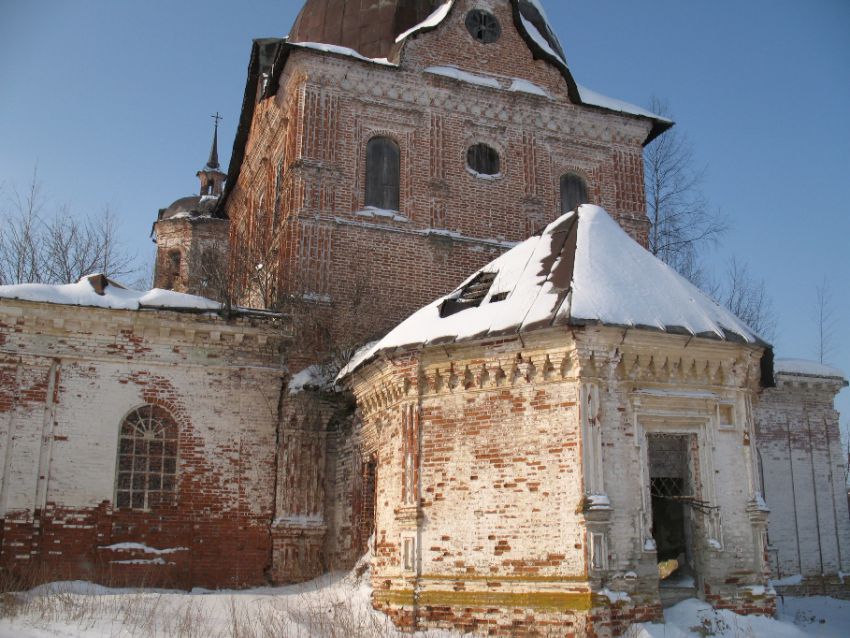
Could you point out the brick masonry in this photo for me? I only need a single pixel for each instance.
(70, 375)
(298, 203)
(478, 472)
(804, 468)
(523, 500)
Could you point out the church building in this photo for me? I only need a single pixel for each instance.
(417, 318)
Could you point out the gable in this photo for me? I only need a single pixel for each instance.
(503, 38)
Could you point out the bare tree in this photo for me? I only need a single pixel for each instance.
(748, 299)
(824, 315)
(683, 223)
(20, 235)
(58, 247)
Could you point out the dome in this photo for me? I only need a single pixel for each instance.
(194, 206)
(370, 27)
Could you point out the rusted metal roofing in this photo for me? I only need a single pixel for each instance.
(370, 27)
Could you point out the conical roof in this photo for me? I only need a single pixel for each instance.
(582, 269)
(370, 27)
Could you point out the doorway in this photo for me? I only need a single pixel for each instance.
(673, 491)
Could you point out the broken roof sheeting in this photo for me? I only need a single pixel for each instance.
(582, 269)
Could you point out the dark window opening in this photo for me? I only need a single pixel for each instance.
(499, 297)
(383, 170)
(483, 159)
(573, 192)
(483, 26)
(471, 295)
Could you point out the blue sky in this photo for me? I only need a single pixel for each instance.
(111, 99)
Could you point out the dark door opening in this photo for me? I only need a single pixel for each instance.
(672, 490)
(365, 500)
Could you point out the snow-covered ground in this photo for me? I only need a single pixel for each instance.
(335, 606)
(798, 617)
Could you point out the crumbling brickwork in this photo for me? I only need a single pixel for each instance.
(298, 206)
(804, 477)
(523, 501)
(77, 372)
(189, 255)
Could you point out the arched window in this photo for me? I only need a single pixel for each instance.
(383, 170)
(573, 192)
(483, 159)
(147, 460)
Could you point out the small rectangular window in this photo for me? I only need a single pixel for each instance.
(409, 554)
(598, 552)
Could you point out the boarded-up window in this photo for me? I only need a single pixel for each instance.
(383, 170)
(573, 192)
(483, 159)
(147, 460)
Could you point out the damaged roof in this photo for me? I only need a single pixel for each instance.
(583, 269)
(369, 27)
(376, 31)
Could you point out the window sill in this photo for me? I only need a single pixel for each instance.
(483, 176)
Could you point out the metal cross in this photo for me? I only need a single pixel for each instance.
(217, 118)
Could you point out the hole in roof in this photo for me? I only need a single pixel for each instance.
(470, 296)
(501, 296)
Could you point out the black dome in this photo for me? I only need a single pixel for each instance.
(193, 206)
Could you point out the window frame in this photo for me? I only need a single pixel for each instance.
(166, 421)
(488, 33)
(582, 181)
(381, 200)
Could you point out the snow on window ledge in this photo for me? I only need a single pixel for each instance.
(375, 212)
(484, 176)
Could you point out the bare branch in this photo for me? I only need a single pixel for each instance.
(825, 321)
(683, 223)
(57, 248)
(748, 299)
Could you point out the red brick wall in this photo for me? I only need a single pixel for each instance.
(305, 161)
(217, 379)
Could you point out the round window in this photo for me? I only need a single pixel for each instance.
(483, 160)
(483, 26)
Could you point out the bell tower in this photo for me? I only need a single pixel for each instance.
(191, 235)
(212, 179)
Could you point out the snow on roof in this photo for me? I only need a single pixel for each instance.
(114, 295)
(803, 367)
(430, 22)
(543, 43)
(582, 269)
(340, 50)
(612, 104)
